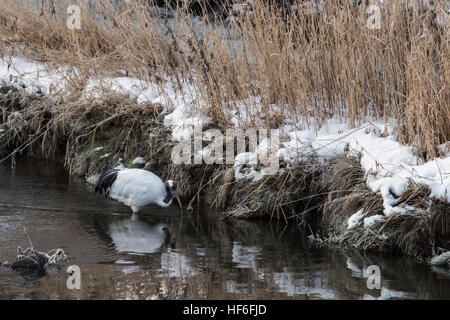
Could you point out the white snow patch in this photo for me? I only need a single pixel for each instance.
(354, 220)
(124, 86)
(370, 221)
(33, 77)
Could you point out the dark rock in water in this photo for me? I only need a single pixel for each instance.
(32, 264)
(32, 274)
(29, 259)
(26, 264)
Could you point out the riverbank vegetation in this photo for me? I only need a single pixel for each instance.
(128, 80)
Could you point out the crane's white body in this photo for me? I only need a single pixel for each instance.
(136, 188)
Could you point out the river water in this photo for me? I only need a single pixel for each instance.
(165, 254)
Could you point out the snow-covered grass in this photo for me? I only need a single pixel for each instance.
(32, 76)
(390, 167)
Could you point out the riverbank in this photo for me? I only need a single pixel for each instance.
(372, 177)
(319, 196)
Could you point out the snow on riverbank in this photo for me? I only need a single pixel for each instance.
(389, 166)
(32, 76)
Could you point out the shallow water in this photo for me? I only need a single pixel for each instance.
(163, 254)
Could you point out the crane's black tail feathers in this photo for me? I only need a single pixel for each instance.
(105, 181)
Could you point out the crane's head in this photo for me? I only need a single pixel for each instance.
(171, 185)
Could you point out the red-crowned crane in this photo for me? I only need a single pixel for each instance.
(136, 188)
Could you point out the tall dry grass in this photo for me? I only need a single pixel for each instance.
(303, 65)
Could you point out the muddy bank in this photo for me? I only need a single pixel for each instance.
(91, 136)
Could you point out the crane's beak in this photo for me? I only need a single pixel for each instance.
(179, 201)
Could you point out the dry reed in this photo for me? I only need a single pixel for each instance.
(310, 65)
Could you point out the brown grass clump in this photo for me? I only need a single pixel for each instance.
(440, 222)
(415, 195)
(348, 193)
(294, 196)
(25, 120)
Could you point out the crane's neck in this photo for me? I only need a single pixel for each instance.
(169, 196)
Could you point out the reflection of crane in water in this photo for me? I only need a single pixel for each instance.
(139, 236)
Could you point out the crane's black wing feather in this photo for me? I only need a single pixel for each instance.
(105, 181)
